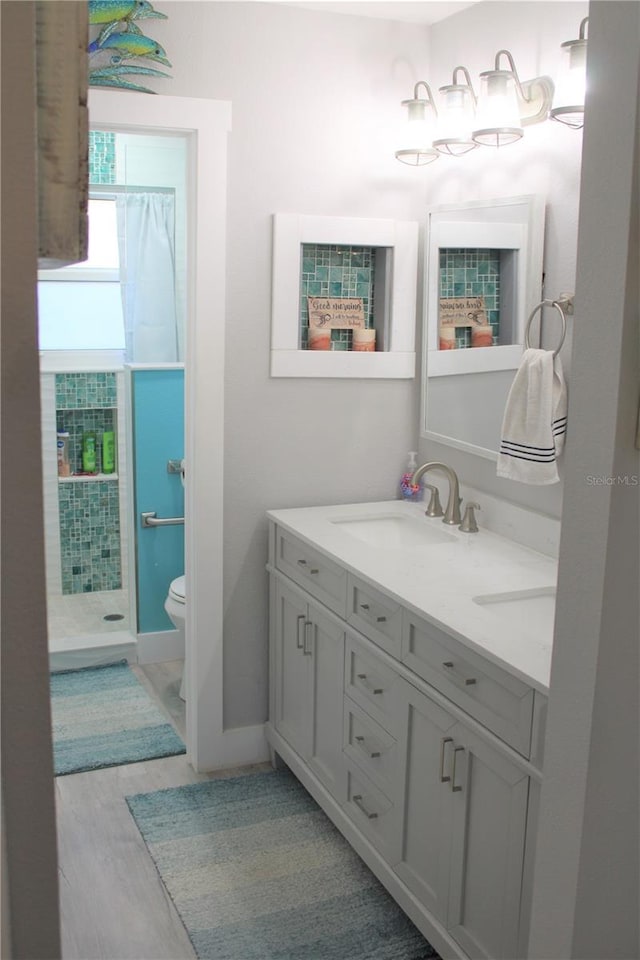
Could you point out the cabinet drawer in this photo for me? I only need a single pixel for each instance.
(376, 616)
(371, 747)
(499, 701)
(371, 811)
(372, 684)
(319, 576)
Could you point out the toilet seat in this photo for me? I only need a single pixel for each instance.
(177, 590)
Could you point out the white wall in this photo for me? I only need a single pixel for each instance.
(313, 96)
(546, 161)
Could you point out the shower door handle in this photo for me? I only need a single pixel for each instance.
(151, 519)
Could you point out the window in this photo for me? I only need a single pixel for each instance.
(80, 307)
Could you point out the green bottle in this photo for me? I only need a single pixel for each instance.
(89, 451)
(108, 451)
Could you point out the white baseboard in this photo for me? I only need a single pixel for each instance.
(93, 654)
(159, 647)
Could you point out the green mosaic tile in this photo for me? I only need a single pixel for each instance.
(90, 536)
(336, 271)
(472, 273)
(89, 511)
(102, 157)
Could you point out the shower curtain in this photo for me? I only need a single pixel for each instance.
(146, 231)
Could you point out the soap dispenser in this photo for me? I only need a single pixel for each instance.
(412, 492)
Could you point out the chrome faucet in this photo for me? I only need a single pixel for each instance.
(452, 510)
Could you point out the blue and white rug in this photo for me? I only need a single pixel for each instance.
(258, 872)
(103, 717)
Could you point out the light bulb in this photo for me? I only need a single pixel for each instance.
(568, 103)
(417, 135)
(498, 116)
(455, 121)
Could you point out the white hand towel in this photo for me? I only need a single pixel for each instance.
(535, 420)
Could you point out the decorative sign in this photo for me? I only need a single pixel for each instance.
(335, 313)
(462, 312)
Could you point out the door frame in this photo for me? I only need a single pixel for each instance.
(206, 123)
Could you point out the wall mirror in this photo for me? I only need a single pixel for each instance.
(483, 277)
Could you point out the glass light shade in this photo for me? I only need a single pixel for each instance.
(498, 115)
(417, 135)
(568, 102)
(456, 120)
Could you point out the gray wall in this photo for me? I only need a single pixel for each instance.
(314, 96)
(587, 886)
(29, 895)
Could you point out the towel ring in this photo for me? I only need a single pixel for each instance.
(547, 303)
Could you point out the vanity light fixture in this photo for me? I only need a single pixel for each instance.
(568, 103)
(506, 105)
(457, 117)
(418, 135)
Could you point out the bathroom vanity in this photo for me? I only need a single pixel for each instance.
(409, 666)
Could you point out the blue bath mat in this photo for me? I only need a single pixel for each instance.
(103, 717)
(258, 872)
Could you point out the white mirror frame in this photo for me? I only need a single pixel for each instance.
(510, 223)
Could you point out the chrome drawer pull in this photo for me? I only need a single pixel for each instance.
(365, 606)
(301, 619)
(357, 799)
(307, 653)
(454, 788)
(314, 571)
(369, 686)
(302, 563)
(443, 743)
(370, 753)
(468, 682)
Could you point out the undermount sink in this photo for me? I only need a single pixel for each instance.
(536, 607)
(394, 532)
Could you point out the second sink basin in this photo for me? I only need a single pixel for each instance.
(536, 606)
(394, 532)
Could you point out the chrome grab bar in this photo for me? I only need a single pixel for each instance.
(150, 519)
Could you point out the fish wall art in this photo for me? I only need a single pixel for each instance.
(120, 49)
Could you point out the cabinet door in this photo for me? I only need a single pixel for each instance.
(423, 837)
(489, 796)
(293, 671)
(324, 642)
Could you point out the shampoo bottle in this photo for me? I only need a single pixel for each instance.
(89, 451)
(62, 444)
(108, 451)
(411, 491)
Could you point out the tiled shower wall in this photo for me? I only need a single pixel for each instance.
(336, 271)
(472, 273)
(102, 157)
(89, 509)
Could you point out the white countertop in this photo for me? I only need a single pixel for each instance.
(439, 581)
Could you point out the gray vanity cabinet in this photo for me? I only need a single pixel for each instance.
(423, 835)
(422, 752)
(461, 835)
(489, 798)
(309, 664)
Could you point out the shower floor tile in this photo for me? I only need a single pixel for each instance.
(82, 614)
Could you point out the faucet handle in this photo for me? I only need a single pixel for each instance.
(469, 524)
(435, 507)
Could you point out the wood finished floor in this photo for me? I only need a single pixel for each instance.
(113, 904)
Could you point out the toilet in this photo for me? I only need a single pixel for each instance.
(175, 607)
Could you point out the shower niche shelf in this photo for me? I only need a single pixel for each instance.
(88, 478)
